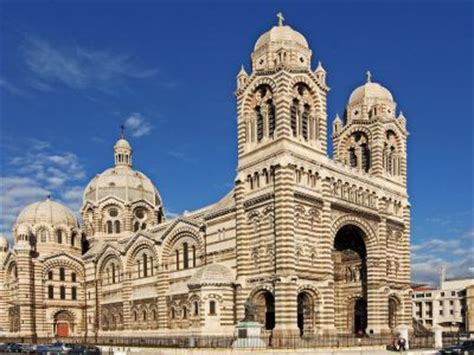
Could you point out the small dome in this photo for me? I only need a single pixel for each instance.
(370, 90)
(47, 211)
(213, 274)
(122, 143)
(123, 183)
(281, 35)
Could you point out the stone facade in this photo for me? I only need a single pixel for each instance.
(320, 245)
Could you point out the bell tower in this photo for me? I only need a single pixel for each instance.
(281, 109)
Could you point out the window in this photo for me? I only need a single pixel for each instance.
(451, 302)
(294, 117)
(113, 212)
(194, 255)
(304, 122)
(453, 293)
(271, 118)
(73, 239)
(173, 315)
(73, 277)
(185, 256)
(50, 275)
(259, 124)
(451, 312)
(442, 294)
(62, 292)
(59, 236)
(212, 308)
(185, 313)
(135, 316)
(177, 259)
(44, 235)
(154, 315)
(440, 312)
(109, 228)
(113, 273)
(145, 265)
(117, 226)
(196, 308)
(74, 293)
(144, 315)
(62, 274)
(50, 292)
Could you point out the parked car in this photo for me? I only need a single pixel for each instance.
(85, 350)
(8, 347)
(60, 348)
(465, 348)
(28, 348)
(43, 348)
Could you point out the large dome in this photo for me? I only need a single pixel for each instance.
(370, 90)
(124, 183)
(49, 212)
(281, 35)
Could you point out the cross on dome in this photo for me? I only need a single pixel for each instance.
(369, 76)
(280, 19)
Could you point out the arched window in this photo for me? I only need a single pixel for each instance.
(144, 315)
(352, 158)
(117, 226)
(294, 117)
(62, 274)
(194, 255)
(44, 234)
(139, 268)
(304, 122)
(109, 227)
(259, 123)
(59, 236)
(136, 226)
(185, 312)
(135, 316)
(173, 314)
(73, 277)
(196, 308)
(177, 259)
(73, 238)
(113, 273)
(185, 256)
(74, 293)
(62, 292)
(50, 275)
(50, 292)
(212, 308)
(145, 265)
(271, 118)
(365, 156)
(153, 314)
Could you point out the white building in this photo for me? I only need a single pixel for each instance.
(444, 307)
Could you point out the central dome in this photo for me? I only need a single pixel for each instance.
(124, 183)
(49, 212)
(279, 35)
(370, 90)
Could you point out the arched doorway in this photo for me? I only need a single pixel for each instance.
(265, 307)
(63, 324)
(305, 317)
(393, 307)
(350, 275)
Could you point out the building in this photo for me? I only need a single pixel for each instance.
(450, 306)
(320, 245)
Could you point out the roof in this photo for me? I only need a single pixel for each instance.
(281, 35)
(49, 212)
(212, 274)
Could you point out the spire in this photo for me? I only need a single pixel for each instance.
(369, 76)
(320, 68)
(122, 131)
(280, 19)
(337, 119)
(242, 71)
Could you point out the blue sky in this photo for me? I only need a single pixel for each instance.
(73, 71)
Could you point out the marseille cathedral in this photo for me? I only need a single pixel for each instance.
(318, 244)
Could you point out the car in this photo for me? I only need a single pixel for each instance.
(60, 348)
(43, 348)
(8, 347)
(85, 349)
(465, 348)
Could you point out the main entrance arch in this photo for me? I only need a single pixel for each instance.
(350, 275)
(63, 324)
(305, 309)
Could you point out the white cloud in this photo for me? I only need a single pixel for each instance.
(138, 125)
(12, 89)
(456, 254)
(35, 173)
(78, 67)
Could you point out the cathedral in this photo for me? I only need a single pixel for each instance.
(319, 245)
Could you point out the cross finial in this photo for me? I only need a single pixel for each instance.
(122, 131)
(280, 19)
(369, 76)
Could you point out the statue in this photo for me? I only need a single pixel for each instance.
(250, 311)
